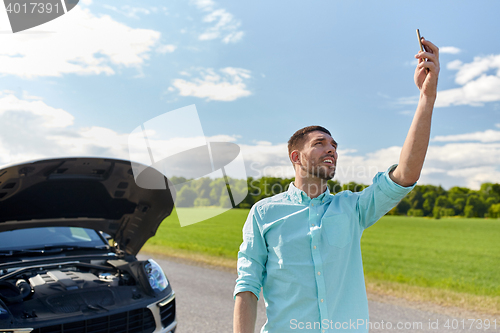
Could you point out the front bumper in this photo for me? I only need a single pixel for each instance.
(158, 317)
(164, 314)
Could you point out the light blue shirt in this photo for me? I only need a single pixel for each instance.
(306, 255)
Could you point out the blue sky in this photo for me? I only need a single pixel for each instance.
(257, 71)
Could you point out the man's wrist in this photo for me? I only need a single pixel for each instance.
(428, 96)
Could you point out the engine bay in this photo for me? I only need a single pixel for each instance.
(58, 290)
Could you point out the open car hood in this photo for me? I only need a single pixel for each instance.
(94, 193)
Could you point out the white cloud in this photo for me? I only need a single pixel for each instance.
(412, 63)
(479, 80)
(206, 5)
(166, 48)
(223, 25)
(263, 143)
(475, 176)
(478, 67)
(413, 100)
(32, 129)
(264, 159)
(455, 64)
(486, 136)
(226, 85)
(10, 105)
(449, 49)
(497, 125)
(130, 11)
(76, 43)
(407, 112)
(28, 96)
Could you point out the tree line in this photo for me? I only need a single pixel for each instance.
(423, 200)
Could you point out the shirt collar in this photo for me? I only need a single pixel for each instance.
(298, 196)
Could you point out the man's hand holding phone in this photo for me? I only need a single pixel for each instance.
(427, 71)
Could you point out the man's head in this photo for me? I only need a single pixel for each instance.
(313, 152)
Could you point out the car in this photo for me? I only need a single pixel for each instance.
(70, 230)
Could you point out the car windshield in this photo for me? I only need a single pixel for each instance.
(35, 238)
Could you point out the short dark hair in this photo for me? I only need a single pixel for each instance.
(298, 138)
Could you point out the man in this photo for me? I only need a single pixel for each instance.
(303, 246)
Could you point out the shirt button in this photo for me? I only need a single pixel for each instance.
(321, 300)
(319, 273)
(312, 224)
(312, 205)
(314, 247)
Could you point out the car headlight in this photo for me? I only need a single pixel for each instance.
(156, 278)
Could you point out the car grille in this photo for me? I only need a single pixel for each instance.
(136, 321)
(167, 313)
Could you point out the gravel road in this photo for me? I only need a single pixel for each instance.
(205, 303)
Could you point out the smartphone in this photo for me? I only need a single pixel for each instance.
(421, 47)
(420, 41)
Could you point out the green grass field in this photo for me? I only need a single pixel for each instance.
(219, 236)
(460, 255)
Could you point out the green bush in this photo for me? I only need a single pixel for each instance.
(415, 212)
(201, 202)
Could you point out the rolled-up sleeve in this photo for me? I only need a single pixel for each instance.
(380, 197)
(252, 257)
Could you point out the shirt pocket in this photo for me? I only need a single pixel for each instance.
(338, 229)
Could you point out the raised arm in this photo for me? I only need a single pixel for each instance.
(417, 140)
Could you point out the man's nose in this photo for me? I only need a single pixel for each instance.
(331, 150)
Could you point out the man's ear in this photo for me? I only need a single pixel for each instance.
(295, 157)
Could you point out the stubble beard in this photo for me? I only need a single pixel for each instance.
(319, 171)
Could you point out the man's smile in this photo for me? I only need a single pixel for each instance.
(329, 160)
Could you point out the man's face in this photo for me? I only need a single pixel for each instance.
(318, 157)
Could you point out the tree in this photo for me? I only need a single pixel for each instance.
(459, 205)
(494, 211)
(415, 212)
(415, 197)
(225, 202)
(496, 189)
(201, 202)
(354, 187)
(238, 188)
(202, 187)
(218, 189)
(401, 208)
(469, 211)
(474, 207)
(185, 197)
(334, 186)
(442, 207)
(430, 198)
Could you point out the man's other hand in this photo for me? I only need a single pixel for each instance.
(245, 312)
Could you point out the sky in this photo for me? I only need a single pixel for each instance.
(257, 71)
